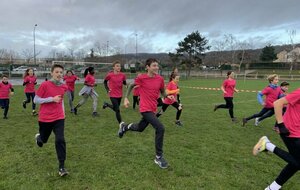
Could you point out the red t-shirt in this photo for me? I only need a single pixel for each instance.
(229, 85)
(29, 87)
(90, 80)
(149, 89)
(115, 83)
(5, 90)
(52, 111)
(171, 86)
(291, 117)
(272, 94)
(70, 81)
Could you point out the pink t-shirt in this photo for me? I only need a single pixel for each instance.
(229, 85)
(149, 89)
(52, 111)
(90, 80)
(5, 90)
(29, 87)
(272, 94)
(291, 117)
(115, 83)
(70, 81)
(171, 86)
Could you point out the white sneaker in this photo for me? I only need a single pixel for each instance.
(256, 121)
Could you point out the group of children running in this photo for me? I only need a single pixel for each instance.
(50, 96)
(148, 88)
(286, 109)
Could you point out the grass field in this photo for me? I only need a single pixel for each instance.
(209, 152)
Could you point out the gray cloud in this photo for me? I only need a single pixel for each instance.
(64, 23)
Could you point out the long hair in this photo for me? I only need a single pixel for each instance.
(27, 72)
(229, 73)
(89, 70)
(172, 76)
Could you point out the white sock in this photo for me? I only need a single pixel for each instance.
(273, 186)
(270, 146)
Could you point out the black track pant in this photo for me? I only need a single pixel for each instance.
(175, 105)
(292, 157)
(135, 101)
(150, 117)
(115, 106)
(58, 126)
(4, 104)
(261, 113)
(228, 105)
(30, 96)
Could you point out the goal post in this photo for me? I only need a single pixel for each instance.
(78, 67)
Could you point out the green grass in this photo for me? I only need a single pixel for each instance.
(209, 152)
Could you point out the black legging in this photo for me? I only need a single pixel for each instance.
(175, 105)
(150, 117)
(262, 113)
(58, 126)
(115, 106)
(228, 105)
(135, 101)
(292, 158)
(4, 104)
(30, 96)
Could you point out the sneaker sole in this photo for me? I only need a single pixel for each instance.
(156, 162)
(62, 174)
(256, 148)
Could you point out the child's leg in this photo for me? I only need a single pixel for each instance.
(60, 144)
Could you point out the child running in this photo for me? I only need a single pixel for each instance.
(88, 91)
(150, 85)
(272, 93)
(52, 116)
(172, 90)
(135, 96)
(289, 129)
(70, 79)
(228, 88)
(6, 90)
(29, 83)
(284, 87)
(113, 83)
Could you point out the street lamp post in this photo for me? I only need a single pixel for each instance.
(136, 47)
(34, 55)
(107, 44)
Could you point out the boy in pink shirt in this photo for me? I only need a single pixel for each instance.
(228, 88)
(70, 79)
(29, 83)
(272, 93)
(289, 129)
(150, 85)
(6, 90)
(52, 114)
(172, 90)
(113, 83)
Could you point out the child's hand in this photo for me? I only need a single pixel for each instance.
(126, 102)
(57, 98)
(11, 93)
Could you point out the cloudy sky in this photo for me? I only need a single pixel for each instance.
(157, 25)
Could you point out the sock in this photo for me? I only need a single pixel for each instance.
(270, 146)
(273, 186)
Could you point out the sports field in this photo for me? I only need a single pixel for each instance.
(209, 152)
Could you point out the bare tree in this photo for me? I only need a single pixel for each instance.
(243, 46)
(293, 55)
(231, 42)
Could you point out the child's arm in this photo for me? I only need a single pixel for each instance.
(39, 100)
